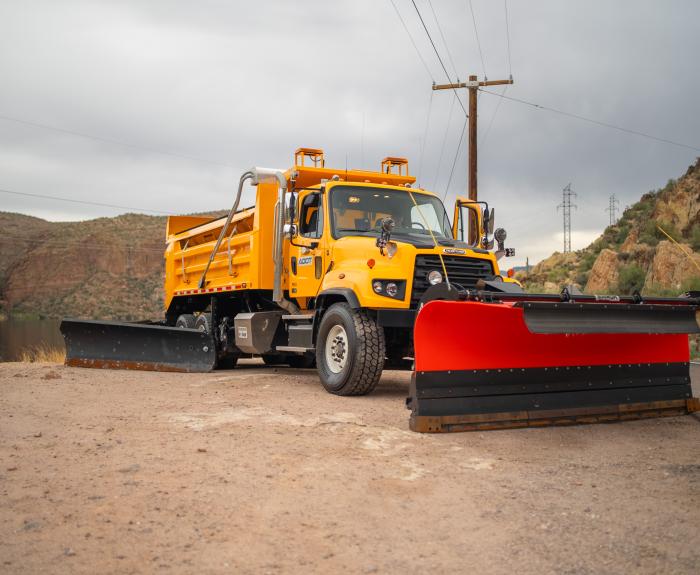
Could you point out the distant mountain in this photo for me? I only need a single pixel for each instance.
(107, 268)
(634, 254)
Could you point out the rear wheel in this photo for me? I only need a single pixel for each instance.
(185, 321)
(350, 351)
(203, 322)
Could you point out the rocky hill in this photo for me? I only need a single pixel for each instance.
(108, 268)
(635, 253)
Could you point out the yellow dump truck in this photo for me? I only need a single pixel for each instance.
(355, 271)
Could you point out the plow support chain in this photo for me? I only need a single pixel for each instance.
(478, 366)
(150, 347)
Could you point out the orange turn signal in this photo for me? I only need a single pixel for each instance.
(370, 263)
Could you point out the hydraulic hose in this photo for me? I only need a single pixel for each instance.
(246, 176)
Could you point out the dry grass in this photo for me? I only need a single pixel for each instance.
(43, 353)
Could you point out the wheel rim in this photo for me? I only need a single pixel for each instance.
(336, 348)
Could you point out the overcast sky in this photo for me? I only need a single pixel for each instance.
(237, 84)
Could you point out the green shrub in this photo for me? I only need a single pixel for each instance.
(669, 228)
(556, 275)
(631, 278)
(587, 262)
(647, 235)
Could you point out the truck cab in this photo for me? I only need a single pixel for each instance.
(364, 255)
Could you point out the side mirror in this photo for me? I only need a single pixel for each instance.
(290, 230)
(492, 220)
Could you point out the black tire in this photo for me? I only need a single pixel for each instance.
(365, 351)
(185, 321)
(203, 323)
(305, 361)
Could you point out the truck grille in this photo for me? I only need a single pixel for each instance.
(463, 271)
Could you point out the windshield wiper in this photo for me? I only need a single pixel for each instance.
(356, 230)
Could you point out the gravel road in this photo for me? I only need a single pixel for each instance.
(258, 470)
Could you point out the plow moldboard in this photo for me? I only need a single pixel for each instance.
(121, 345)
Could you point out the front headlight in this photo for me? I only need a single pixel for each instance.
(395, 289)
(434, 277)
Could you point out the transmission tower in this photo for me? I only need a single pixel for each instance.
(613, 208)
(566, 206)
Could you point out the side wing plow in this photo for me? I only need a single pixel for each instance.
(143, 346)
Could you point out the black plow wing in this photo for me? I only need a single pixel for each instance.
(150, 347)
(574, 317)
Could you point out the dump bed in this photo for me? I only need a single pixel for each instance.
(243, 258)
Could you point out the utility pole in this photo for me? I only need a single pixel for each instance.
(473, 86)
(566, 206)
(613, 208)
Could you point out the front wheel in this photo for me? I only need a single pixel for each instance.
(350, 351)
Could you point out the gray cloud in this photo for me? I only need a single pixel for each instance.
(243, 83)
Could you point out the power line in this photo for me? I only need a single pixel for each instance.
(444, 42)
(478, 43)
(454, 162)
(62, 199)
(444, 141)
(493, 117)
(592, 121)
(510, 68)
(438, 57)
(112, 141)
(420, 56)
(425, 137)
(510, 72)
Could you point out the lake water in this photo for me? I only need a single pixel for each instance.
(18, 335)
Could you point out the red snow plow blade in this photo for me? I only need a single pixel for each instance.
(527, 363)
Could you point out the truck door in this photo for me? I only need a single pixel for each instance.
(306, 266)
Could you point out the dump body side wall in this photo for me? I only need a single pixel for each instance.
(244, 258)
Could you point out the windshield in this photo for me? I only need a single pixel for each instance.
(360, 210)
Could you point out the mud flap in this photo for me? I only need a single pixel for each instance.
(150, 347)
(478, 366)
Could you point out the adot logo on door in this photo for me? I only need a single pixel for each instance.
(305, 261)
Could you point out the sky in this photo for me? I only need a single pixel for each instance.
(179, 98)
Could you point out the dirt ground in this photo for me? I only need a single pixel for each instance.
(258, 470)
